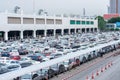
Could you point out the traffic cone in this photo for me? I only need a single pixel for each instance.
(92, 77)
(97, 73)
(87, 78)
(108, 64)
(105, 67)
(102, 70)
(111, 63)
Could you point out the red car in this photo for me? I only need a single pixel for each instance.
(15, 57)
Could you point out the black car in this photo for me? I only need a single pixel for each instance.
(22, 51)
(56, 69)
(42, 74)
(26, 64)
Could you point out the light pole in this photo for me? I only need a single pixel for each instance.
(33, 6)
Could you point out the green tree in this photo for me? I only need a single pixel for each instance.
(112, 29)
(114, 20)
(117, 29)
(101, 23)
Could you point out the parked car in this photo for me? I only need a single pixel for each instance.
(55, 55)
(15, 57)
(37, 75)
(74, 62)
(14, 67)
(57, 69)
(5, 54)
(67, 65)
(22, 51)
(4, 59)
(28, 76)
(43, 74)
(3, 68)
(14, 52)
(25, 60)
(38, 57)
(12, 62)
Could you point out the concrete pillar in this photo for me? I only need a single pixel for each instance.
(75, 31)
(80, 30)
(97, 30)
(90, 30)
(34, 33)
(62, 31)
(45, 33)
(54, 32)
(93, 29)
(68, 31)
(85, 30)
(21, 34)
(6, 35)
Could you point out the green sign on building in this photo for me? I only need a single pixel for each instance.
(72, 21)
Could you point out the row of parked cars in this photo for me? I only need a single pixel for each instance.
(56, 69)
(28, 52)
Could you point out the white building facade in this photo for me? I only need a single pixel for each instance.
(19, 26)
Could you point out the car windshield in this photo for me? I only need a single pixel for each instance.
(2, 64)
(54, 66)
(13, 66)
(38, 54)
(42, 71)
(26, 76)
(66, 63)
(52, 54)
(1, 58)
(23, 59)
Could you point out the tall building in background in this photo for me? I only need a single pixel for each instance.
(108, 9)
(115, 6)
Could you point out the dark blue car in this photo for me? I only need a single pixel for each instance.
(37, 57)
(5, 54)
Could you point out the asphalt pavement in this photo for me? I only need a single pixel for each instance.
(87, 69)
(92, 70)
(113, 73)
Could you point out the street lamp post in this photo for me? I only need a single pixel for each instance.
(33, 6)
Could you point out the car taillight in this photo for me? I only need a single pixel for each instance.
(39, 57)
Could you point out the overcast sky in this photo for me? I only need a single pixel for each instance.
(92, 7)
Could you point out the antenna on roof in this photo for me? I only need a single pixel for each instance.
(40, 11)
(84, 12)
(16, 8)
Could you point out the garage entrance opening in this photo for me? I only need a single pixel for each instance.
(13, 35)
(27, 34)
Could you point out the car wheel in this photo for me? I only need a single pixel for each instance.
(34, 76)
(61, 68)
(51, 73)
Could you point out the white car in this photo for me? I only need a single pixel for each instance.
(55, 55)
(25, 60)
(13, 65)
(3, 68)
(12, 62)
(4, 59)
(14, 52)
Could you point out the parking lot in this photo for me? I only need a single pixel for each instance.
(26, 52)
